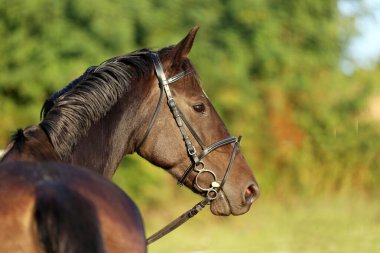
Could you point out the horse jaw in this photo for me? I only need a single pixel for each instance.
(221, 206)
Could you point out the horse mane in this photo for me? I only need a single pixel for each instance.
(18, 139)
(69, 113)
(49, 103)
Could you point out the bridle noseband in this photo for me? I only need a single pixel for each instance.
(197, 165)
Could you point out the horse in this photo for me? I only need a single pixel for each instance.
(114, 109)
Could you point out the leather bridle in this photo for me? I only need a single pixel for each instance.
(197, 165)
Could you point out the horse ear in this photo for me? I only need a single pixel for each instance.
(182, 49)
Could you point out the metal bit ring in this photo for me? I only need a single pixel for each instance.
(203, 171)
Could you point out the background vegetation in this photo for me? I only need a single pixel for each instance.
(272, 68)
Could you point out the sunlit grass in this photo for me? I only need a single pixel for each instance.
(290, 224)
(325, 225)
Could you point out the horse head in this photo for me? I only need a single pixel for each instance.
(188, 138)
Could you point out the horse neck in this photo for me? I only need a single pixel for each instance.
(116, 134)
(31, 144)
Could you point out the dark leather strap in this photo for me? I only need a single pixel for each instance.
(153, 120)
(172, 104)
(206, 151)
(178, 222)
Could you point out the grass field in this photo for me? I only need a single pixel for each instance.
(338, 224)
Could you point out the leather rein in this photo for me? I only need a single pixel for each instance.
(197, 165)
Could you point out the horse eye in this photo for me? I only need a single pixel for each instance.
(199, 108)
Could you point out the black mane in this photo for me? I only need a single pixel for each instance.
(49, 103)
(69, 113)
(18, 139)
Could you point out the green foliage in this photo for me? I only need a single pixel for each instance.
(271, 69)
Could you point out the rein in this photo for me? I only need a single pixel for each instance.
(216, 186)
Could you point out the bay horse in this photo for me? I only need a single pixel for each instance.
(115, 109)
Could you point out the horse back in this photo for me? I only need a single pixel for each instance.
(29, 189)
(17, 227)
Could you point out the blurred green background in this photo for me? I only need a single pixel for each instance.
(272, 68)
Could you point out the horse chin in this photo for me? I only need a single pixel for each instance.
(220, 206)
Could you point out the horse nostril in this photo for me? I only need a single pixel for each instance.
(251, 193)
